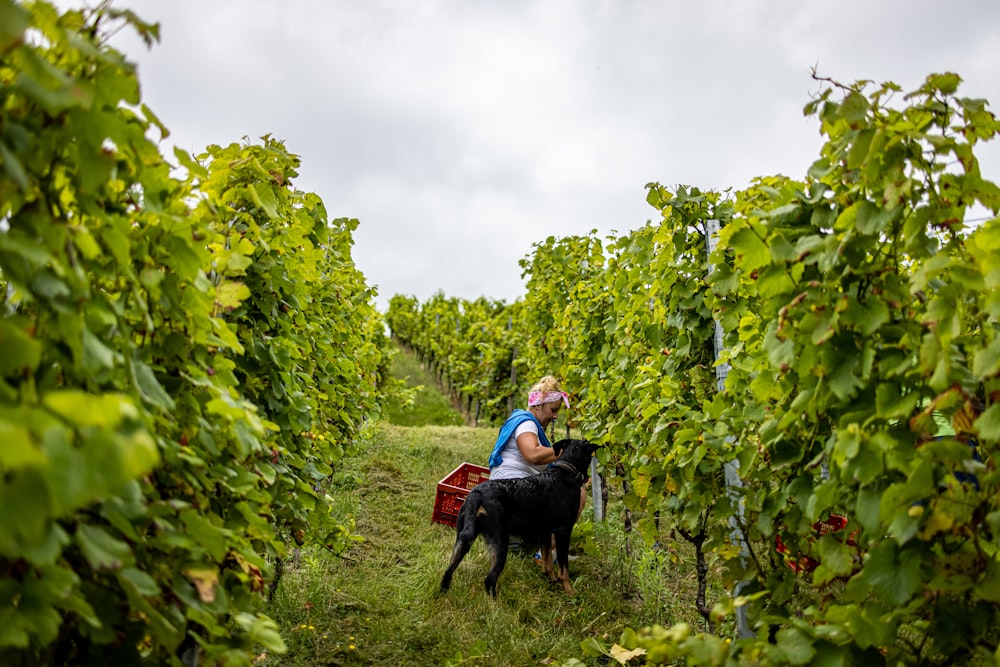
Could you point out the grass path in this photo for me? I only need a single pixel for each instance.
(379, 603)
(431, 407)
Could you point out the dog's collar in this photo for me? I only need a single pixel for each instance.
(559, 463)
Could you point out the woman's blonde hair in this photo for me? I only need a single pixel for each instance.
(546, 384)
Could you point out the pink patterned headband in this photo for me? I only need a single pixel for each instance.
(540, 397)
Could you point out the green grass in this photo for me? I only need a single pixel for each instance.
(430, 407)
(379, 604)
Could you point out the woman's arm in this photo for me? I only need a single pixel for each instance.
(532, 450)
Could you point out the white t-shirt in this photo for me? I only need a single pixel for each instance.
(513, 464)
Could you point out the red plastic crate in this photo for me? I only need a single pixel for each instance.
(453, 490)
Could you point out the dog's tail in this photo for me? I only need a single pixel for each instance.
(468, 518)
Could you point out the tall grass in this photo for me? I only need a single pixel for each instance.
(379, 603)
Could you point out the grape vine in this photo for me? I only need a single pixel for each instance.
(184, 359)
(860, 330)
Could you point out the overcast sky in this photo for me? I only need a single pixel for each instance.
(460, 132)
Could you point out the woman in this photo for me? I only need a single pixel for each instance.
(522, 449)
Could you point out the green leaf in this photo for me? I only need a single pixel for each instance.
(262, 630)
(854, 108)
(263, 196)
(871, 219)
(773, 281)
(183, 259)
(988, 587)
(796, 645)
(102, 550)
(780, 353)
(96, 355)
(843, 382)
(986, 363)
(12, 634)
(118, 245)
(138, 454)
(236, 264)
(51, 87)
(149, 386)
(207, 534)
(647, 528)
(83, 409)
(13, 22)
(11, 164)
(160, 626)
(864, 624)
(628, 638)
(847, 444)
(820, 169)
(988, 423)
(105, 464)
(781, 250)
(85, 242)
(893, 575)
(836, 555)
(155, 120)
(592, 648)
(847, 218)
(49, 286)
(76, 604)
(751, 252)
(21, 352)
(47, 551)
(26, 514)
(18, 449)
(230, 294)
(858, 153)
(892, 403)
(876, 314)
(947, 83)
(867, 510)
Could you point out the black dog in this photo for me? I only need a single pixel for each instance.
(535, 508)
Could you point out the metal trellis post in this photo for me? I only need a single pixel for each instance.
(732, 468)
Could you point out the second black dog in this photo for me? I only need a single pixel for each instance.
(535, 508)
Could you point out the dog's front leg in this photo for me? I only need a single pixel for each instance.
(562, 556)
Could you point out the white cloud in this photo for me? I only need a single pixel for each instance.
(460, 133)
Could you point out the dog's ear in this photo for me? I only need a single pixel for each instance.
(559, 446)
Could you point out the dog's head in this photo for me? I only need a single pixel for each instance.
(575, 452)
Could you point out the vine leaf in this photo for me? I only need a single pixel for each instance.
(18, 450)
(149, 387)
(230, 294)
(13, 22)
(893, 575)
(20, 351)
(101, 549)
